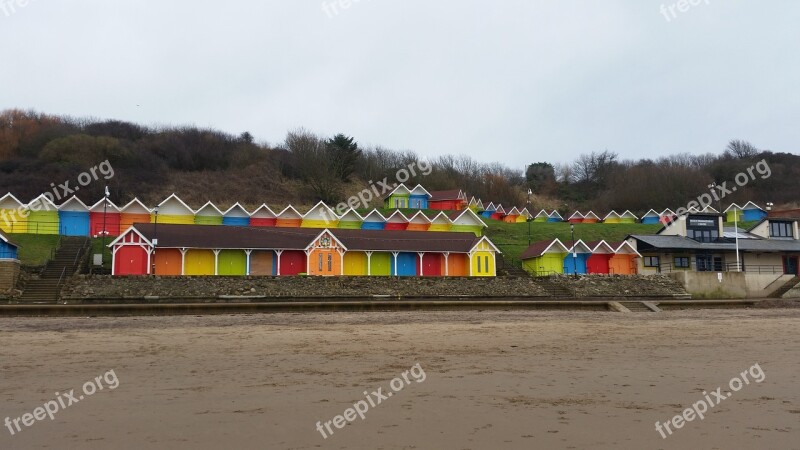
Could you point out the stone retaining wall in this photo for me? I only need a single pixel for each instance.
(85, 287)
(9, 274)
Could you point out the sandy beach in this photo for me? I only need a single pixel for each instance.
(492, 380)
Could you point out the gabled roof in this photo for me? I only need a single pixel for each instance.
(8, 201)
(236, 210)
(466, 217)
(480, 204)
(397, 217)
(173, 199)
(580, 247)
(500, 209)
(264, 212)
(7, 240)
(612, 214)
(401, 189)
(525, 213)
(538, 249)
(473, 201)
(490, 207)
(209, 210)
(576, 215)
(374, 216)
(629, 214)
(555, 214)
(323, 233)
(667, 212)
(289, 213)
(486, 239)
(110, 207)
(651, 213)
(751, 205)
(351, 215)
(591, 215)
(453, 194)
(46, 203)
(543, 213)
(625, 248)
(442, 218)
(321, 211)
(135, 206)
(733, 206)
(419, 190)
(419, 217)
(73, 204)
(707, 209)
(601, 247)
(514, 212)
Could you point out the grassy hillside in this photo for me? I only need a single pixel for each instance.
(35, 249)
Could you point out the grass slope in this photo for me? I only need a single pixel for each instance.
(35, 249)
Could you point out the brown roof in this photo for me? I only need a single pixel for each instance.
(438, 196)
(229, 237)
(785, 214)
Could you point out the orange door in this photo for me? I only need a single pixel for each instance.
(324, 262)
(168, 262)
(457, 265)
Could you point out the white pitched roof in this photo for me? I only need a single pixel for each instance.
(46, 204)
(321, 211)
(576, 215)
(209, 210)
(135, 206)
(556, 214)
(175, 206)
(110, 207)
(236, 210)
(603, 248)
(419, 190)
(264, 212)
(751, 205)
(375, 216)
(74, 204)
(612, 214)
(627, 213)
(590, 215)
(580, 247)
(514, 212)
(467, 217)
(419, 217)
(651, 213)
(397, 217)
(8, 201)
(351, 215)
(289, 213)
(625, 248)
(442, 218)
(543, 213)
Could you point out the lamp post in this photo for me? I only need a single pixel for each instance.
(529, 219)
(574, 252)
(155, 239)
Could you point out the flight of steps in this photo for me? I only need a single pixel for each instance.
(636, 307)
(47, 288)
(553, 288)
(785, 288)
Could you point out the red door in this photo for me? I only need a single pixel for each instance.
(432, 265)
(598, 264)
(293, 262)
(130, 260)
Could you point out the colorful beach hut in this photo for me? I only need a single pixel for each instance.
(576, 217)
(12, 217)
(473, 204)
(104, 218)
(42, 216)
(577, 258)
(73, 217)
(753, 213)
(542, 216)
(544, 258)
(624, 260)
(590, 217)
(488, 211)
(208, 214)
(612, 217)
(134, 212)
(351, 220)
(398, 198)
(524, 215)
(733, 213)
(263, 216)
(418, 198)
(667, 216)
(452, 200)
(396, 221)
(628, 217)
(236, 216)
(598, 262)
(499, 213)
(511, 216)
(555, 217)
(174, 210)
(374, 221)
(467, 221)
(479, 207)
(441, 223)
(289, 218)
(8, 249)
(419, 222)
(651, 217)
(320, 216)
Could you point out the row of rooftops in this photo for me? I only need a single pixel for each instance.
(541, 248)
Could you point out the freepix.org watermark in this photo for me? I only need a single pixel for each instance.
(62, 402)
(699, 408)
(59, 192)
(333, 7)
(9, 7)
(681, 6)
(717, 192)
(373, 399)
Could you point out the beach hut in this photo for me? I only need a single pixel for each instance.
(104, 218)
(577, 258)
(612, 217)
(12, 216)
(398, 198)
(544, 258)
(208, 214)
(374, 221)
(524, 215)
(320, 216)
(624, 260)
(418, 198)
(42, 216)
(396, 221)
(404, 264)
(511, 216)
(467, 221)
(555, 217)
(452, 200)
(483, 259)
(488, 211)
(473, 204)
(598, 262)
(479, 207)
(8, 249)
(174, 210)
(499, 213)
(590, 217)
(542, 216)
(667, 216)
(733, 213)
(419, 222)
(289, 218)
(753, 213)
(134, 212)
(576, 217)
(351, 220)
(73, 217)
(236, 216)
(628, 217)
(441, 223)
(325, 255)
(263, 216)
(651, 217)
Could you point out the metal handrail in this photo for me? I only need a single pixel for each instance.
(63, 272)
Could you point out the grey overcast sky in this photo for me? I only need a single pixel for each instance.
(514, 81)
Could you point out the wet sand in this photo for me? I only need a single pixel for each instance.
(493, 379)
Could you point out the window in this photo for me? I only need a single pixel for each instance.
(479, 265)
(320, 262)
(703, 235)
(330, 262)
(652, 261)
(682, 262)
(781, 229)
